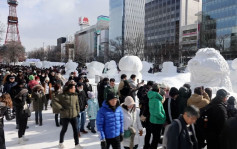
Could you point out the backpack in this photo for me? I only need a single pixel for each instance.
(164, 142)
(201, 126)
(126, 89)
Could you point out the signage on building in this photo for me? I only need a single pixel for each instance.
(83, 21)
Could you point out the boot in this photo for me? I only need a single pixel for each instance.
(88, 127)
(21, 141)
(36, 122)
(24, 138)
(61, 146)
(78, 146)
(93, 130)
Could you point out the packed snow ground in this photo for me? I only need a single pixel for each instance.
(47, 136)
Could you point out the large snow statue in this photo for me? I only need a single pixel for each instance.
(169, 68)
(46, 64)
(209, 69)
(38, 64)
(146, 66)
(131, 65)
(111, 69)
(95, 68)
(70, 67)
(233, 75)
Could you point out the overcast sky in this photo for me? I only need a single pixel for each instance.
(43, 21)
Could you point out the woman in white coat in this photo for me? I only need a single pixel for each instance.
(132, 124)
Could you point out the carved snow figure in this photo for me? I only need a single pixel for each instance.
(169, 68)
(70, 67)
(95, 68)
(209, 69)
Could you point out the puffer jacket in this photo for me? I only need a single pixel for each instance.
(132, 119)
(5, 111)
(54, 94)
(8, 86)
(109, 123)
(68, 105)
(199, 101)
(93, 108)
(38, 98)
(157, 112)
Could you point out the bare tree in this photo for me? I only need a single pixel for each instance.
(82, 53)
(37, 54)
(222, 41)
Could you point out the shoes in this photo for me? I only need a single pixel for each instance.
(61, 146)
(88, 127)
(27, 127)
(57, 125)
(93, 131)
(83, 131)
(36, 122)
(21, 141)
(78, 146)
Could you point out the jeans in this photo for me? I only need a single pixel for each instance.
(81, 121)
(115, 142)
(65, 122)
(46, 101)
(155, 131)
(23, 117)
(2, 139)
(38, 117)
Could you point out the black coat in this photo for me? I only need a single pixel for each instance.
(87, 88)
(174, 107)
(228, 137)
(19, 98)
(5, 111)
(184, 94)
(182, 140)
(82, 100)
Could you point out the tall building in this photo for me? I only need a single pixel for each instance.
(163, 22)
(219, 26)
(126, 19)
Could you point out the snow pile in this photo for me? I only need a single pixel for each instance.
(233, 75)
(25, 64)
(169, 68)
(70, 67)
(146, 66)
(95, 68)
(46, 64)
(38, 64)
(130, 65)
(111, 70)
(208, 68)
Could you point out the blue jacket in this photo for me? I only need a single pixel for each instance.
(93, 108)
(109, 123)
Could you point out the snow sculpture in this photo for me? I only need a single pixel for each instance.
(233, 75)
(131, 65)
(46, 64)
(38, 64)
(146, 66)
(70, 67)
(111, 70)
(95, 68)
(209, 69)
(169, 68)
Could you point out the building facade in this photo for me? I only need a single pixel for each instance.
(165, 21)
(219, 26)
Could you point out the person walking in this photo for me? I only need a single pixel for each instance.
(5, 111)
(93, 108)
(48, 91)
(132, 124)
(68, 105)
(157, 114)
(38, 98)
(109, 123)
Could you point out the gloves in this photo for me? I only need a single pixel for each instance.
(121, 137)
(140, 132)
(103, 144)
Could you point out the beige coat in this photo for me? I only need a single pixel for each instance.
(199, 101)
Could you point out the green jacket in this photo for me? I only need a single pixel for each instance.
(157, 112)
(67, 104)
(110, 89)
(38, 101)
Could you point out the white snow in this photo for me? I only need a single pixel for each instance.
(146, 66)
(168, 67)
(95, 68)
(234, 64)
(70, 66)
(112, 70)
(130, 65)
(207, 63)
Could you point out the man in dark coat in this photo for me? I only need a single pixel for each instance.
(186, 138)
(101, 89)
(217, 116)
(10, 83)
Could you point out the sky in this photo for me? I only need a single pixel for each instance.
(41, 22)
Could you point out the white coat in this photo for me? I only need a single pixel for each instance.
(128, 122)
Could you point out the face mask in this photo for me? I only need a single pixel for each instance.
(80, 89)
(43, 75)
(38, 81)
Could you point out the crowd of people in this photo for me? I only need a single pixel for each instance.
(174, 118)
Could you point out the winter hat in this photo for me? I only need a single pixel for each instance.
(31, 77)
(173, 91)
(91, 95)
(110, 96)
(129, 101)
(222, 93)
(231, 100)
(79, 84)
(47, 79)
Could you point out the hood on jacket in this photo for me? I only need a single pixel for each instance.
(184, 92)
(153, 95)
(38, 87)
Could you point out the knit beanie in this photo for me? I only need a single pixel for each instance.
(31, 77)
(91, 95)
(110, 96)
(129, 101)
